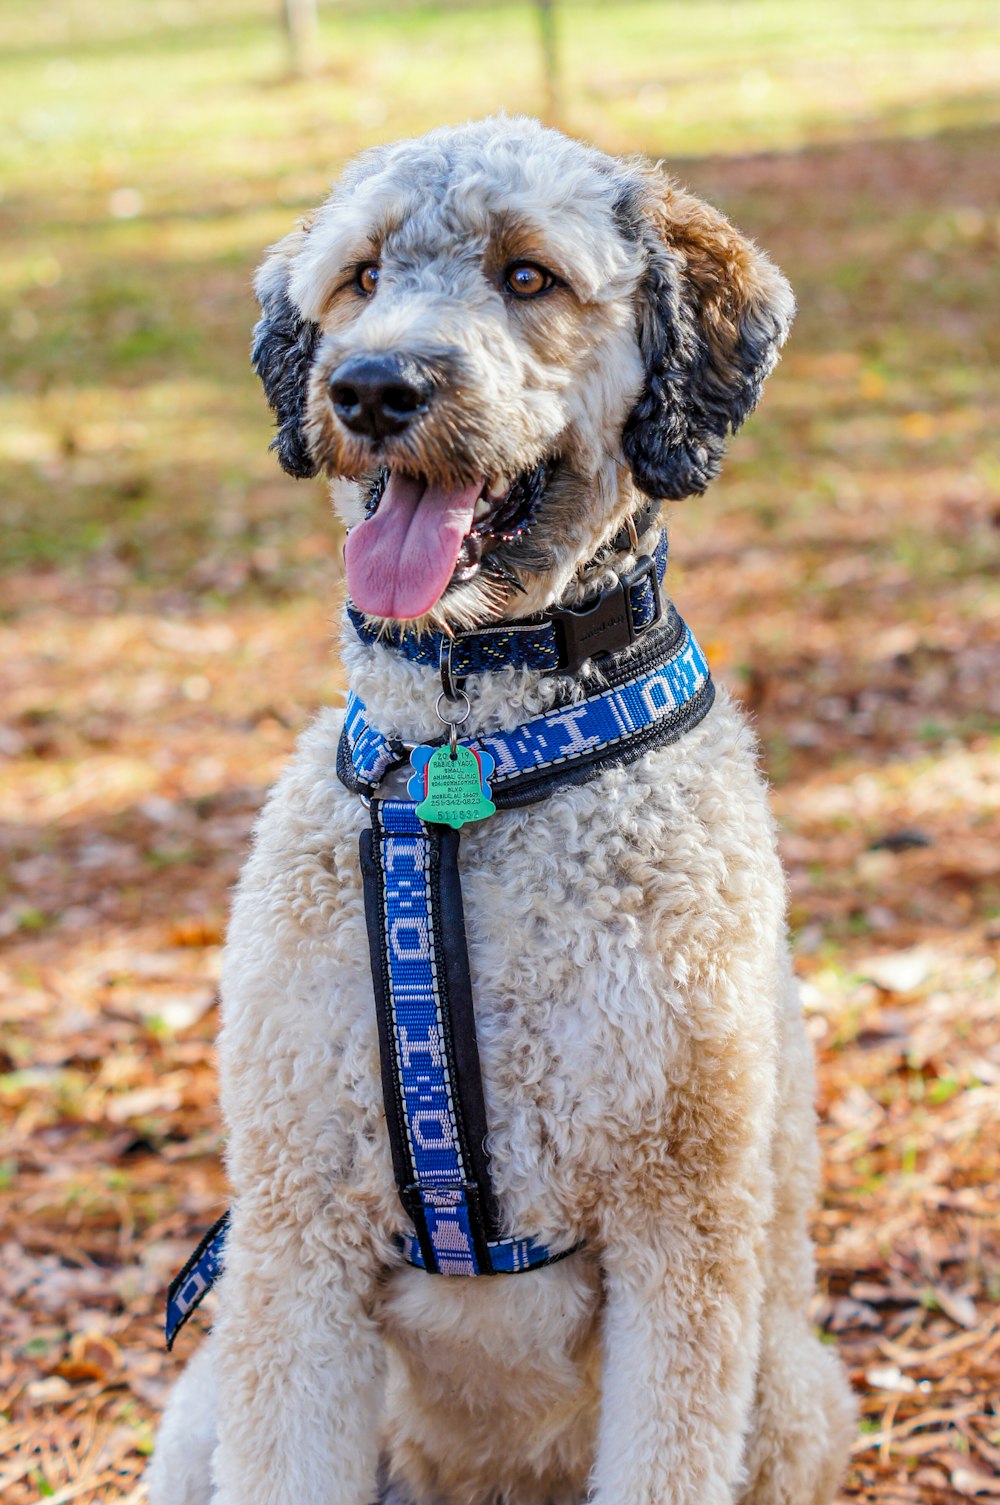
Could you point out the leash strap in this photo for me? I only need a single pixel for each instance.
(561, 640)
(431, 1078)
(192, 1284)
(666, 690)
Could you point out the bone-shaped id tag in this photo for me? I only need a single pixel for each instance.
(451, 784)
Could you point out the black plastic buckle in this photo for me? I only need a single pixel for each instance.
(608, 624)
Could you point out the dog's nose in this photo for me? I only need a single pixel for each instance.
(378, 395)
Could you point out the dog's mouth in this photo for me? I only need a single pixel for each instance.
(420, 537)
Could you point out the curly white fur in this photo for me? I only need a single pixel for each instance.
(648, 1090)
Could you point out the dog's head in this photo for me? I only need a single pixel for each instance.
(504, 334)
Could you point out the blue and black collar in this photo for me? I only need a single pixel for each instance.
(559, 641)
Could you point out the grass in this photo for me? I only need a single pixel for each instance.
(148, 155)
(165, 603)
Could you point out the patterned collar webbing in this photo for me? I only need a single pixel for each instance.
(196, 1278)
(668, 690)
(546, 643)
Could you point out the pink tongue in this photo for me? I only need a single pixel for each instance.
(399, 562)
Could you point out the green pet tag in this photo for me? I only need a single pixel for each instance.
(453, 785)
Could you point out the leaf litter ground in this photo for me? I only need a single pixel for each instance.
(843, 577)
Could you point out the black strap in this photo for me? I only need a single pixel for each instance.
(193, 1282)
(458, 1032)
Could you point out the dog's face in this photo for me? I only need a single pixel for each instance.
(504, 334)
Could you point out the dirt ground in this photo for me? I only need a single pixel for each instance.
(843, 579)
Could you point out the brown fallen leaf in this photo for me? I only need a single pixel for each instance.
(838, 1313)
(195, 930)
(907, 1356)
(986, 1450)
(928, 1478)
(141, 1102)
(877, 1294)
(90, 1357)
(889, 1377)
(49, 1391)
(934, 1417)
(900, 971)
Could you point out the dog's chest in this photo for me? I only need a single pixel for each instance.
(606, 927)
(567, 991)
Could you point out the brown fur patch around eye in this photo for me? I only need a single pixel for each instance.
(557, 329)
(515, 237)
(342, 307)
(342, 290)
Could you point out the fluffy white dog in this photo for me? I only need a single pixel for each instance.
(517, 341)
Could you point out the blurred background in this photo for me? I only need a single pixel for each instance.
(167, 598)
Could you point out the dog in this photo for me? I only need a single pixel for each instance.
(506, 348)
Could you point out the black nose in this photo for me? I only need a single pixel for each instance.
(379, 395)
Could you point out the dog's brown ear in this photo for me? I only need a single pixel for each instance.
(713, 313)
(284, 345)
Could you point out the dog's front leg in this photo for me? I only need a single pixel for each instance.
(299, 1363)
(681, 1338)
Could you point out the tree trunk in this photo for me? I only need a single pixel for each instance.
(550, 59)
(301, 20)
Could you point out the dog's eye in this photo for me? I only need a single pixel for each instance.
(526, 280)
(366, 278)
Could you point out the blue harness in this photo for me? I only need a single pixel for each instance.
(431, 1078)
(431, 1081)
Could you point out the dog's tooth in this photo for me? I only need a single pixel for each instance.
(482, 509)
(497, 489)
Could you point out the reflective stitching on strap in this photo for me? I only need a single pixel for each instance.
(507, 1256)
(601, 721)
(580, 731)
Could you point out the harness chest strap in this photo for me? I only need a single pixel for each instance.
(659, 693)
(431, 1077)
(431, 1080)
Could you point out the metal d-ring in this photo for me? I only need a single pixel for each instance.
(453, 720)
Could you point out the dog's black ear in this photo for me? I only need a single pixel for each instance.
(712, 315)
(284, 345)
